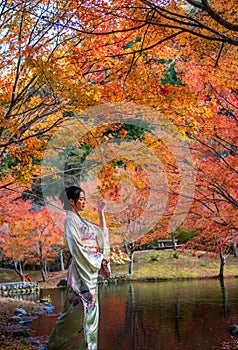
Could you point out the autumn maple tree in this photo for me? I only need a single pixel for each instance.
(28, 233)
(176, 57)
(35, 41)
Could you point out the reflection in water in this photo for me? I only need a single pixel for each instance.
(133, 326)
(224, 298)
(182, 315)
(177, 315)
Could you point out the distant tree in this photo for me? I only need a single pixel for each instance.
(28, 234)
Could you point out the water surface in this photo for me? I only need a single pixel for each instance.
(183, 315)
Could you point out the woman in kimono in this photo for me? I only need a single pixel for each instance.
(77, 327)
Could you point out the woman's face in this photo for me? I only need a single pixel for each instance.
(80, 204)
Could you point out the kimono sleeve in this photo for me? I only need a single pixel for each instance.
(103, 241)
(104, 246)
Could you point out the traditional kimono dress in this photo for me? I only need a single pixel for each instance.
(77, 327)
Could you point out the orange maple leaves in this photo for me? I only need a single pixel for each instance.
(24, 227)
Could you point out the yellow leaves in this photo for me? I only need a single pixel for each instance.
(118, 257)
(130, 167)
(151, 141)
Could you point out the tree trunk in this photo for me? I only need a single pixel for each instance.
(42, 263)
(131, 255)
(43, 269)
(46, 268)
(235, 250)
(174, 241)
(129, 249)
(61, 260)
(18, 268)
(222, 265)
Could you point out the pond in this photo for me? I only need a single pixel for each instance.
(178, 315)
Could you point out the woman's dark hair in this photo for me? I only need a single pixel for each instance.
(71, 192)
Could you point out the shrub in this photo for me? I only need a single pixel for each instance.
(175, 255)
(154, 257)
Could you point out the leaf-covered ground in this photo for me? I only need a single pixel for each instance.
(12, 336)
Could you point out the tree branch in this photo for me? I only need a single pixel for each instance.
(217, 17)
(196, 4)
(186, 22)
(219, 55)
(149, 47)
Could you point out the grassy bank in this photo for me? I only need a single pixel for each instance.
(151, 264)
(7, 275)
(165, 264)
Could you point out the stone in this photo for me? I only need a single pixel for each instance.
(233, 329)
(15, 318)
(49, 308)
(26, 320)
(62, 282)
(20, 310)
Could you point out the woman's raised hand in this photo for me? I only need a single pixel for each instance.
(101, 205)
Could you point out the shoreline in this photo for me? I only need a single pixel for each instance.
(149, 266)
(125, 279)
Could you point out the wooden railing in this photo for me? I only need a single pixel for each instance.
(166, 243)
